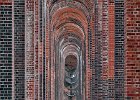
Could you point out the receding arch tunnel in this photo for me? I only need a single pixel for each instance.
(69, 68)
(71, 77)
(51, 34)
(69, 28)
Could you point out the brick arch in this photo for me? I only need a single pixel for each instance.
(70, 22)
(66, 47)
(60, 22)
(63, 42)
(56, 1)
(69, 12)
(76, 4)
(71, 15)
(70, 28)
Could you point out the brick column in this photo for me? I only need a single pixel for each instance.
(119, 49)
(19, 48)
(105, 50)
(132, 49)
(29, 49)
(6, 50)
(111, 49)
(36, 51)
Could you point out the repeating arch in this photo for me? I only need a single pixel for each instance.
(73, 4)
(69, 31)
(70, 28)
(68, 15)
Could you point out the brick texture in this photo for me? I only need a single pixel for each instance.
(29, 49)
(36, 37)
(132, 49)
(5, 50)
(19, 49)
(119, 49)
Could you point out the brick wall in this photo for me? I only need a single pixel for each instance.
(36, 38)
(111, 48)
(104, 50)
(96, 90)
(119, 50)
(29, 49)
(19, 49)
(5, 49)
(132, 49)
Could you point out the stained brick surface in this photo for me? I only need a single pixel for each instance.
(132, 49)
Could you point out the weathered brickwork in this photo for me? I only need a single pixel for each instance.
(36, 37)
(105, 45)
(119, 49)
(69, 49)
(111, 48)
(132, 49)
(104, 50)
(5, 50)
(29, 49)
(19, 49)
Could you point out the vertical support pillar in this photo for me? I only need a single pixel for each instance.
(119, 49)
(111, 49)
(105, 46)
(29, 49)
(36, 51)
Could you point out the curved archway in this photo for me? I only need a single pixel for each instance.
(69, 69)
(64, 16)
(69, 30)
(73, 4)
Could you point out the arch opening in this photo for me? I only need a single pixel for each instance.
(71, 77)
(70, 63)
